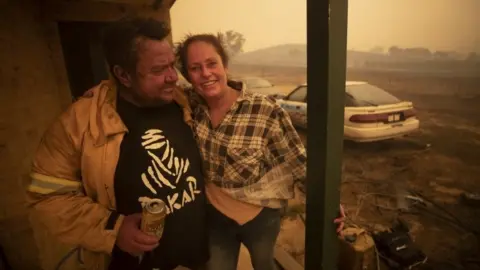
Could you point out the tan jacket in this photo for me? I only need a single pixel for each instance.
(71, 193)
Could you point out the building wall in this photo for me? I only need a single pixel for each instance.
(30, 98)
(33, 91)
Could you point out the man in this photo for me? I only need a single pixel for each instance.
(125, 144)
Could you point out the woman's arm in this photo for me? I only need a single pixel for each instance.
(286, 147)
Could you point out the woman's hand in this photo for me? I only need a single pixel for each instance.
(340, 221)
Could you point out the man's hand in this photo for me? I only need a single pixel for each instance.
(131, 239)
(340, 221)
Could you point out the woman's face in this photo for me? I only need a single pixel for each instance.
(205, 69)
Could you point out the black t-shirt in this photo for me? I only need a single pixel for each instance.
(159, 159)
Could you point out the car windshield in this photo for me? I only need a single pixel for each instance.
(257, 83)
(369, 95)
(299, 94)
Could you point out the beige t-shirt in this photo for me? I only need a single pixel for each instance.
(239, 211)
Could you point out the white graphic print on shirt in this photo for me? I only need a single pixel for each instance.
(164, 166)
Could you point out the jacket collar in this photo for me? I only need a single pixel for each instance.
(104, 119)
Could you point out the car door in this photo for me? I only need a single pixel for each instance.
(296, 106)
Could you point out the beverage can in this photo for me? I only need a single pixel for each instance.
(153, 218)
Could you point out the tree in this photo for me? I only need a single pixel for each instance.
(232, 41)
(444, 55)
(395, 51)
(472, 56)
(417, 52)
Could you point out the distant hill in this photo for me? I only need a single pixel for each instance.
(295, 55)
(281, 55)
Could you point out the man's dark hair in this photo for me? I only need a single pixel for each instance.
(121, 40)
(182, 49)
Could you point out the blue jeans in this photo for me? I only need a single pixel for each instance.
(258, 235)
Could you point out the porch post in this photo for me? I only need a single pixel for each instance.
(326, 73)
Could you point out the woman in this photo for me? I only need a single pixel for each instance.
(252, 157)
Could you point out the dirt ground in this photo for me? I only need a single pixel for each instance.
(438, 164)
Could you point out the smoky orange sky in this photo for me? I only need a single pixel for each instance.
(436, 24)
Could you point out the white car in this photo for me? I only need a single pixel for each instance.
(371, 113)
(260, 86)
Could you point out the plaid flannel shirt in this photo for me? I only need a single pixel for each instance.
(255, 155)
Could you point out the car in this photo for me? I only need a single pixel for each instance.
(371, 113)
(259, 85)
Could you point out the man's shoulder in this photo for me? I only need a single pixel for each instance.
(182, 97)
(80, 108)
(77, 115)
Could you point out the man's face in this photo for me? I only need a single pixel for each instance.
(155, 79)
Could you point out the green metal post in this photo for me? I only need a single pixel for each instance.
(326, 73)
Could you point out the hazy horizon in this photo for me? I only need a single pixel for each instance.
(453, 26)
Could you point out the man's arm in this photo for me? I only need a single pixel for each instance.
(57, 196)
